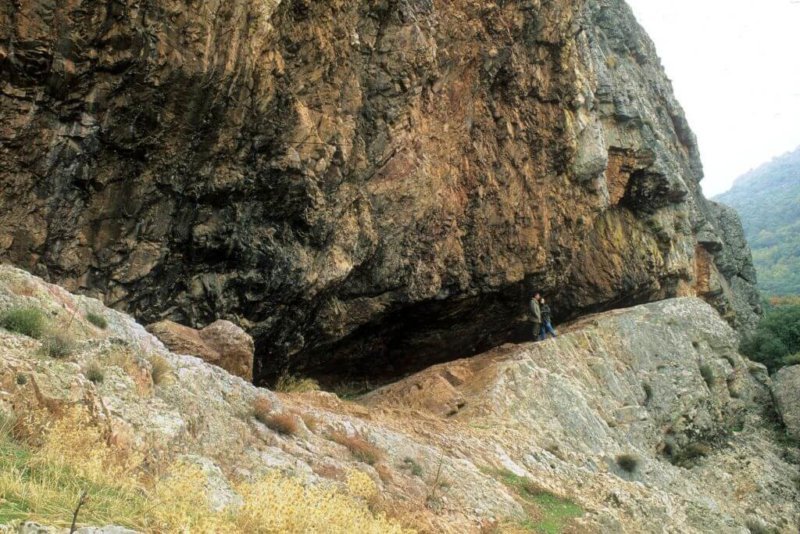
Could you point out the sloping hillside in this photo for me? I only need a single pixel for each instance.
(638, 420)
(768, 202)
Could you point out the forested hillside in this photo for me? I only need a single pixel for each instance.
(768, 201)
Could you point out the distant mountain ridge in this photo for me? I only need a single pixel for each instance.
(768, 201)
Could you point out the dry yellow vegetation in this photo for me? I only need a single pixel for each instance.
(42, 480)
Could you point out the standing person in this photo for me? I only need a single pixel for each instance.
(547, 326)
(537, 316)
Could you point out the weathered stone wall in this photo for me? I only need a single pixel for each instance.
(377, 182)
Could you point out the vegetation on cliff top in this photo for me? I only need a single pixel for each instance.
(768, 201)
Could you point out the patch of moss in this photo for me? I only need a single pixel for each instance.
(548, 513)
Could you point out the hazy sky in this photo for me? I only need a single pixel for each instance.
(735, 65)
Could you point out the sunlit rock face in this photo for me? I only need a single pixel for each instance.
(367, 187)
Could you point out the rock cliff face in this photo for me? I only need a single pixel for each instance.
(378, 183)
(646, 418)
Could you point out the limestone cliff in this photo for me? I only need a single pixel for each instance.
(378, 183)
(647, 419)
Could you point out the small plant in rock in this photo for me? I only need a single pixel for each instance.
(94, 373)
(283, 423)
(59, 345)
(161, 370)
(98, 320)
(707, 373)
(412, 466)
(628, 462)
(21, 379)
(27, 321)
(360, 448)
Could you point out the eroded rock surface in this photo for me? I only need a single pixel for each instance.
(377, 183)
(221, 343)
(786, 390)
(661, 383)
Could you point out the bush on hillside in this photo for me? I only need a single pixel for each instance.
(776, 341)
(27, 321)
(98, 320)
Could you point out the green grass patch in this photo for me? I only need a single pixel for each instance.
(98, 320)
(548, 513)
(28, 321)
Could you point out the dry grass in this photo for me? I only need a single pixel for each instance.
(42, 483)
(161, 370)
(311, 422)
(361, 449)
(295, 384)
(262, 409)
(283, 423)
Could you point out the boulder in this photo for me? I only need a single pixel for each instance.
(233, 345)
(786, 392)
(222, 343)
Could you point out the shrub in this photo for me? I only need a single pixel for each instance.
(98, 320)
(94, 373)
(59, 345)
(361, 449)
(776, 337)
(21, 379)
(413, 466)
(294, 384)
(161, 370)
(27, 321)
(283, 423)
(628, 462)
(794, 359)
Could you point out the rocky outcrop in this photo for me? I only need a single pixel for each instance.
(786, 390)
(646, 418)
(381, 184)
(221, 343)
(734, 293)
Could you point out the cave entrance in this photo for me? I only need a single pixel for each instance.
(411, 339)
(418, 336)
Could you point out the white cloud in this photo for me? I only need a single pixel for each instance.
(735, 65)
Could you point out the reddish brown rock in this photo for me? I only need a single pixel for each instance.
(222, 343)
(372, 186)
(234, 346)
